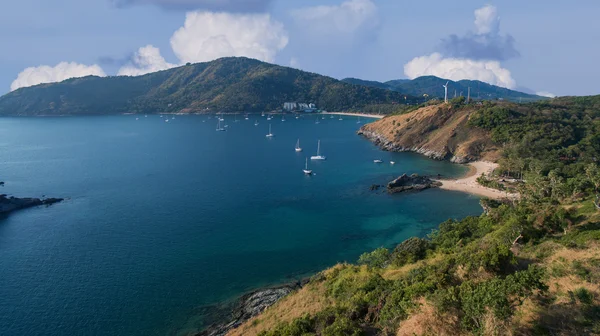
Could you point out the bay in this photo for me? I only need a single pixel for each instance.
(163, 218)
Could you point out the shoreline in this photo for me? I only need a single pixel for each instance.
(357, 114)
(468, 183)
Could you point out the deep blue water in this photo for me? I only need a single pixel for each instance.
(164, 218)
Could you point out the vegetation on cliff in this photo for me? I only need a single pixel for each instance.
(227, 84)
(526, 267)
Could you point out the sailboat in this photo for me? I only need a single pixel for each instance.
(219, 128)
(262, 114)
(269, 117)
(306, 170)
(270, 135)
(297, 116)
(318, 156)
(340, 118)
(358, 122)
(235, 118)
(246, 117)
(283, 118)
(256, 123)
(317, 122)
(298, 148)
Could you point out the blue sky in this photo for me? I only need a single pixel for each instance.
(537, 45)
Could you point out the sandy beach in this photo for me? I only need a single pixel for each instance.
(469, 184)
(376, 116)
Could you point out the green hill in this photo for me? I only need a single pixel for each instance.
(227, 84)
(432, 86)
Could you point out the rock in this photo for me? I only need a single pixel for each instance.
(10, 204)
(1, 184)
(412, 182)
(386, 145)
(249, 306)
(375, 187)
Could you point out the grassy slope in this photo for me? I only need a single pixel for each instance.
(440, 130)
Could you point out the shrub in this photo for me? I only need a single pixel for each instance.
(584, 295)
(379, 258)
(409, 251)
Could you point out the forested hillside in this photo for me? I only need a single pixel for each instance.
(224, 85)
(431, 87)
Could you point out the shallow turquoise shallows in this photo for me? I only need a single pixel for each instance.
(164, 218)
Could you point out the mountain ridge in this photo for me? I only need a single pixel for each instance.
(232, 84)
(432, 87)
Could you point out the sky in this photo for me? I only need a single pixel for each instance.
(537, 46)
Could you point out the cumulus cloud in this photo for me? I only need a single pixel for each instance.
(485, 43)
(348, 18)
(147, 59)
(456, 69)
(211, 5)
(545, 94)
(206, 36)
(48, 74)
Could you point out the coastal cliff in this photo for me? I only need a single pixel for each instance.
(438, 131)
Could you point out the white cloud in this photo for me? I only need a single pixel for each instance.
(48, 74)
(456, 69)
(346, 18)
(206, 36)
(147, 59)
(487, 20)
(545, 94)
(485, 43)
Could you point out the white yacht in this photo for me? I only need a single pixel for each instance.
(377, 161)
(270, 135)
(298, 148)
(306, 170)
(318, 156)
(219, 128)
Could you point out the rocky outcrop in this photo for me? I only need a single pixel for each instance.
(251, 305)
(412, 182)
(438, 131)
(10, 204)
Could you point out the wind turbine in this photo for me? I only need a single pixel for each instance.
(446, 92)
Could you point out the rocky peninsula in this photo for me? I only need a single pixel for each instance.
(437, 131)
(11, 204)
(251, 305)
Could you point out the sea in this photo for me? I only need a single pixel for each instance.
(164, 219)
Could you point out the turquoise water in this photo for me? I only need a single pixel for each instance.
(164, 218)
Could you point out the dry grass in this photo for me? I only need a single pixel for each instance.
(308, 300)
(438, 129)
(428, 321)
